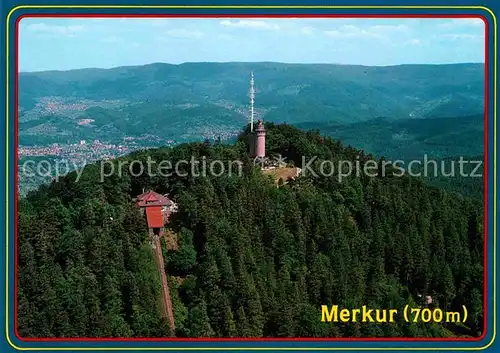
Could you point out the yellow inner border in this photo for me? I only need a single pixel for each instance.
(483, 8)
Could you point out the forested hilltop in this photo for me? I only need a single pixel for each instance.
(250, 259)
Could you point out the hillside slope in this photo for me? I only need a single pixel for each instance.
(252, 260)
(408, 139)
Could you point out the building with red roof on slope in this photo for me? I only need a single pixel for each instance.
(157, 209)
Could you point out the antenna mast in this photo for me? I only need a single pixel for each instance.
(252, 99)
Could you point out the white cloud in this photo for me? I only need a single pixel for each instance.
(458, 22)
(255, 24)
(112, 39)
(476, 22)
(307, 30)
(350, 31)
(388, 28)
(96, 20)
(415, 41)
(153, 21)
(183, 33)
(157, 22)
(381, 32)
(462, 36)
(70, 30)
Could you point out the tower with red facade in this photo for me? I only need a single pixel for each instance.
(257, 137)
(260, 140)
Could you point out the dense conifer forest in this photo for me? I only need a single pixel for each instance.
(252, 259)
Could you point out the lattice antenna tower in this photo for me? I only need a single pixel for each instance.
(252, 100)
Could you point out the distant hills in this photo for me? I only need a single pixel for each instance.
(196, 100)
(399, 112)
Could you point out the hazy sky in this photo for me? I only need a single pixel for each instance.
(62, 44)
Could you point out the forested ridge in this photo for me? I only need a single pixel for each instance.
(253, 259)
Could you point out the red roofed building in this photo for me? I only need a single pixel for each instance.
(157, 209)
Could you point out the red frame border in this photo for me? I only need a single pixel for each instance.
(176, 339)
